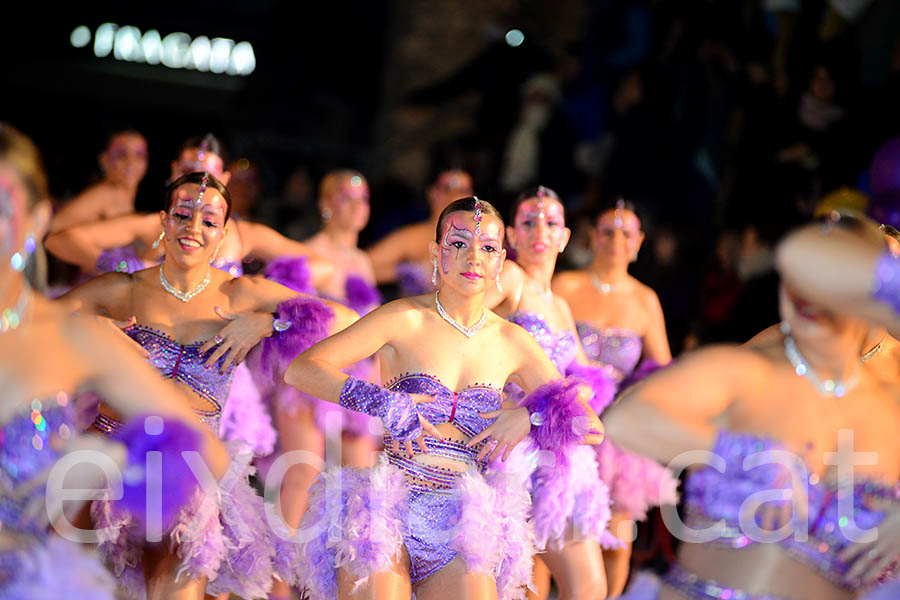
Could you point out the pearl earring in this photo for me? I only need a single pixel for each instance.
(326, 214)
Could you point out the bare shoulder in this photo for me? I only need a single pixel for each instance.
(646, 294)
(567, 281)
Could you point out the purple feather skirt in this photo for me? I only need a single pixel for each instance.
(245, 416)
(221, 534)
(51, 569)
(636, 483)
(361, 520)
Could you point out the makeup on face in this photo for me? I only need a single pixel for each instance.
(458, 183)
(211, 211)
(462, 236)
(539, 225)
(619, 220)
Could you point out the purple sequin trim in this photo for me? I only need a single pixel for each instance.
(395, 409)
(693, 586)
(886, 287)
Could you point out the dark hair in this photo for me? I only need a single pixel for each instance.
(113, 132)
(610, 205)
(20, 152)
(213, 144)
(197, 177)
(533, 192)
(890, 231)
(465, 205)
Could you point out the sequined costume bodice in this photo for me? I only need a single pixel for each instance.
(711, 496)
(28, 445)
(618, 349)
(460, 409)
(560, 347)
(185, 364)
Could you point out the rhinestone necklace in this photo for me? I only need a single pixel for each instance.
(466, 331)
(829, 387)
(183, 296)
(604, 287)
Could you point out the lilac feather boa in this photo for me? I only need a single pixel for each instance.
(361, 296)
(603, 388)
(310, 318)
(564, 418)
(169, 439)
(291, 272)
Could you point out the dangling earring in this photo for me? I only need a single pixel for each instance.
(216, 253)
(434, 274)
(19, 260)
(158, 240)
(785, 328)
(562, 248)
(326, 214)
(499, 285)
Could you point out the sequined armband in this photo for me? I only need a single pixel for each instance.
(886, 284)
(395, 409)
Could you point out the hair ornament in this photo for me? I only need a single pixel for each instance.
(478, 216)
(541, 192)
(620, 208)
(203, 184)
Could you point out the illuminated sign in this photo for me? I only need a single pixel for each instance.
(176, 50)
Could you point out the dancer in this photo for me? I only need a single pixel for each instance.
(571, 509)
(620, 322)
(805, 394)
(47, 358)
(124, 164)
(402, 256)
(302, 420)
(433, 518)
(172, 304)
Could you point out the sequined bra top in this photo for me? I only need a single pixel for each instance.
(711, 496)
(460, 409)
(28, 447)
(560, 347)
(613, 347)
(185, 364)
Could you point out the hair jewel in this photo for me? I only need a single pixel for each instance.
(478, 216)
(620, 207)
(204, 147)
(204, 182)
(541, 192)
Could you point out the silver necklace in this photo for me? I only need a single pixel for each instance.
(604, 287)
(12, 316)
(466, 331)
(829, 387)
(183, 296)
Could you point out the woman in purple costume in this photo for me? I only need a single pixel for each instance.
(182, 300)
(620, 322)
(805, 457)
(570, 509)
(303, 420)
(431, 517)
(47, 358)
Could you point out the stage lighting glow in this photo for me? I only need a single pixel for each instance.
(81, 37)
(515, 37)
(176, 50)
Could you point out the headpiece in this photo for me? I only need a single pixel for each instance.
(203, 183)
(478, 216)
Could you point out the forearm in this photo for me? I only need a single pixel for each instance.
(73, 247)
(316, 377)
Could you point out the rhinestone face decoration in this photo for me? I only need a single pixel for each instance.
(203, 185)
(478, 216)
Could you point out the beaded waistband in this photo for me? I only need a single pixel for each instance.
(693, 586)
(432, 478)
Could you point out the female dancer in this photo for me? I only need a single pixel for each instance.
(124, 164)
(433, 517)
(302, 420)
(572, 530)
(402, 255)
(182, 300)
(620, 322)
(36, 419)
(806, 398)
